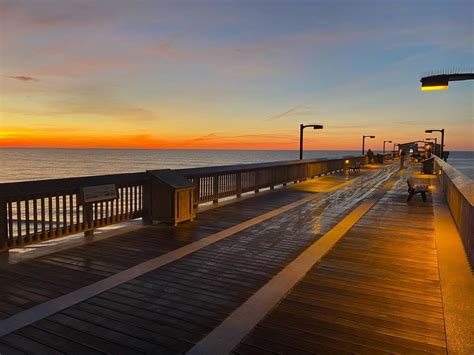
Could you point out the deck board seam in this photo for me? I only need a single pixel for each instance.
(50, 307)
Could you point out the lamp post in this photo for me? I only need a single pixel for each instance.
(441, 81)
(302, 127)
(384, 144)
(394, 145)
(363, 142)
(441, 153)
(436, 142)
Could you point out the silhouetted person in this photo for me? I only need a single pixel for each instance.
(370, 155)
(428, 153)
(402, 159)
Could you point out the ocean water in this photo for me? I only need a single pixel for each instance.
(20, 164)
(463, 161)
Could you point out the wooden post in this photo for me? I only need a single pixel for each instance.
(197, 192)
(256, 181)
(3, 226)
(147, 217)
(238, 183)
(88, 219)
(215, 188)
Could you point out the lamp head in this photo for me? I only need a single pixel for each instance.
(435, 82)
(371, 136)
(429, 131)
(318, 126)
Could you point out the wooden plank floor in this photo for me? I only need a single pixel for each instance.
(173, 307)
(35, 281)
(376, 291)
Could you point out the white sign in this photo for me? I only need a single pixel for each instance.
(99, 193)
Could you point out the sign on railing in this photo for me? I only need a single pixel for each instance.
(98, 193)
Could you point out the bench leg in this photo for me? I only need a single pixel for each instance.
(423, 196)
(410, 196)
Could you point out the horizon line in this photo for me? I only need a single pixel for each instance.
(217, 149)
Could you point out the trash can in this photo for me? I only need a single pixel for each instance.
(379, 159)
(427, 166)
(172, 197)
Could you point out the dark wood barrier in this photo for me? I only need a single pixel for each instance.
(34, 211)
(214, 183)
(459, 192)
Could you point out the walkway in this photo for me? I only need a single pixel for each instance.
(170, 290)
(376, 291)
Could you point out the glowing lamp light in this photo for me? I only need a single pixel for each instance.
(347, 161)
(434, 87)
(440, 81)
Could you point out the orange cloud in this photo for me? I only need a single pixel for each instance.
(69, 139)
(23, 78)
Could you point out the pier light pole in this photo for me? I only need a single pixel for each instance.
(384, 144)
(436, 142)
(441, 153)
(302, 127)
(394, 145)
(363, 142)
(441, 81)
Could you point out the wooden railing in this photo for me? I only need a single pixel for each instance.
(34, 211)
(459, 192)
(214, 183)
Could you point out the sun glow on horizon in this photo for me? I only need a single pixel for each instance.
(229, 75)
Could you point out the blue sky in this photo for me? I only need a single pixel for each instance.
(231, 74)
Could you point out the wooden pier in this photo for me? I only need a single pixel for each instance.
(319, 261)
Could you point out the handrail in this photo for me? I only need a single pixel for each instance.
(214, 183)
(11, 189)
(252, 166)
(459, 192)
(33, 211)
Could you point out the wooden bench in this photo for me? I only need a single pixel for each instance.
(355, 168)
(414, 189)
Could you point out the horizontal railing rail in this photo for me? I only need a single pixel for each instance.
(459, 192)
(214, 183)
(34, 211)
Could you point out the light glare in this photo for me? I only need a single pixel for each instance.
(433, 88)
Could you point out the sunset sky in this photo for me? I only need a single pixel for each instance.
(231, 74)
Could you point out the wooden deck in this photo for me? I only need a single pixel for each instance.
(377, 290)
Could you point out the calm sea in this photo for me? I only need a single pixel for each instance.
(33, 164)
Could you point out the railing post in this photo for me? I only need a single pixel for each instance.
(215, 188)
(272, 178)
(256, 182)
(3, 226)
(147, 205)
(88, 219)
(238, 183)
(197, 192)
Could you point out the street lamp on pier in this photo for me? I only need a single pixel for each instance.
(363, 142)
(302, 127)
(384, 144)
(441, 81)
(436, 143)
(441, 153)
